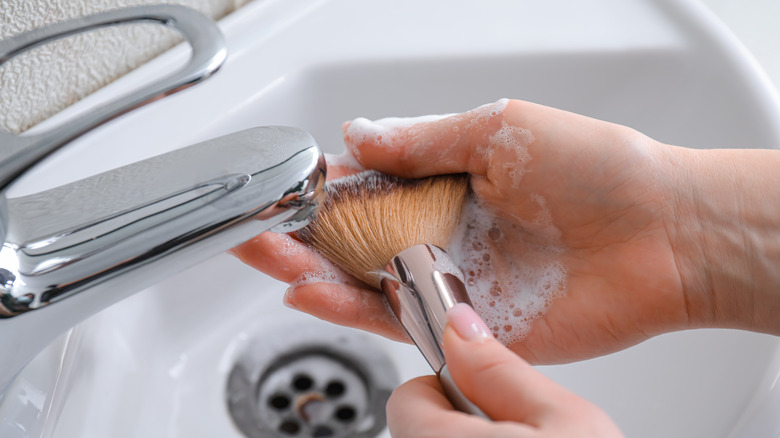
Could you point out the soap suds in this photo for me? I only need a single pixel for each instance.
(444, 263)
(345, 159)
(386, 133)
(510, 146)
(511, 282)
(326, 272)
(289, 247)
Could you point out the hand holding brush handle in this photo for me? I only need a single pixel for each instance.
(522, 401)
(651, 238)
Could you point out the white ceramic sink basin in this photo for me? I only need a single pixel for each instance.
(157, 363)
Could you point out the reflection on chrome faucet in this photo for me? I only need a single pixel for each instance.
(73, 250)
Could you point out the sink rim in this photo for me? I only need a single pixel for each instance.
(236, 26)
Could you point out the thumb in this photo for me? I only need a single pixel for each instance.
(502, 384)
(425, 146)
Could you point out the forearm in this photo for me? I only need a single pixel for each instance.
(727, 236)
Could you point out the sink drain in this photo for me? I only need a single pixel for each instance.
(311, 381)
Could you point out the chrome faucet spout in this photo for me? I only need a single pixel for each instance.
(71, 251)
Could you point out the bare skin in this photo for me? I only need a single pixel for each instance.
(521, 402)
(657, 238)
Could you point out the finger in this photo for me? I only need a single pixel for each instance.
(421, 147)
(319, 288)
(348, 306)
(503, 385)
(342, 165)
(277, 255)
(419, 408)
(283, 258)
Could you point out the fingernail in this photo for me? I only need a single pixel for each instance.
(287, 300)
(467, 323)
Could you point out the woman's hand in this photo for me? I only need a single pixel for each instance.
(521, 401)
(645, 233)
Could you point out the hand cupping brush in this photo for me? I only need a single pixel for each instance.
(389, 232)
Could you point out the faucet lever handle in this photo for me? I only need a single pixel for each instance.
(18, 153)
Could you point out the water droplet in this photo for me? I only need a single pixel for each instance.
(494, 234)
(477, 246)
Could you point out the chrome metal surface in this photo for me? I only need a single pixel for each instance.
(422, 285)
(73, 250)
(310, 380)
(18, 153)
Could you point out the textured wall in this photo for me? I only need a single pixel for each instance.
(39, 83)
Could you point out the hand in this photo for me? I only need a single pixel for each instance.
(599, 183)
(650, 238)
(521, 401)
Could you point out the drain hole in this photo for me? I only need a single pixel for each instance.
(345, 414)
(335, 388)
(311, 382)
(289, 427)
(279, 401)
(302, 382)
(322, 432)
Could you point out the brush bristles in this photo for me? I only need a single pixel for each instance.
(370, 217)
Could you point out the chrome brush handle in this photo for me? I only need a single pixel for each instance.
(18, 153)
(421, 284)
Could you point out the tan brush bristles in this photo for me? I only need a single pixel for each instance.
(370, 217)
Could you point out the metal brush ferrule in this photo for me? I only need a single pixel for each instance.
(423, 284)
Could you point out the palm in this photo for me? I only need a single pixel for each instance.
(623, 285)
(603, 199)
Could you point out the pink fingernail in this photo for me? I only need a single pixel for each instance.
(287, 300)
(467, 323)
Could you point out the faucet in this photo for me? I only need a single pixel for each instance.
(70, 251)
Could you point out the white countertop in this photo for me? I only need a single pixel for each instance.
(754, 22)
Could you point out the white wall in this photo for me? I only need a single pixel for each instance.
(38, 84)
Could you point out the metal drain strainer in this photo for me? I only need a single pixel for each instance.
(311, 381)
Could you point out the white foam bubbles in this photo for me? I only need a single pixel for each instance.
(511, 282)
(385, 132)
(444, 263)
(345, 159)
(511, 142)
(288, 247)
(325, 272)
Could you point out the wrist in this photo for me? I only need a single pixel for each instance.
(726, 236)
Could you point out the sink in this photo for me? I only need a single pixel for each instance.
(157, 363)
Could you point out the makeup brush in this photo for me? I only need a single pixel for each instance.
(391, 233)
